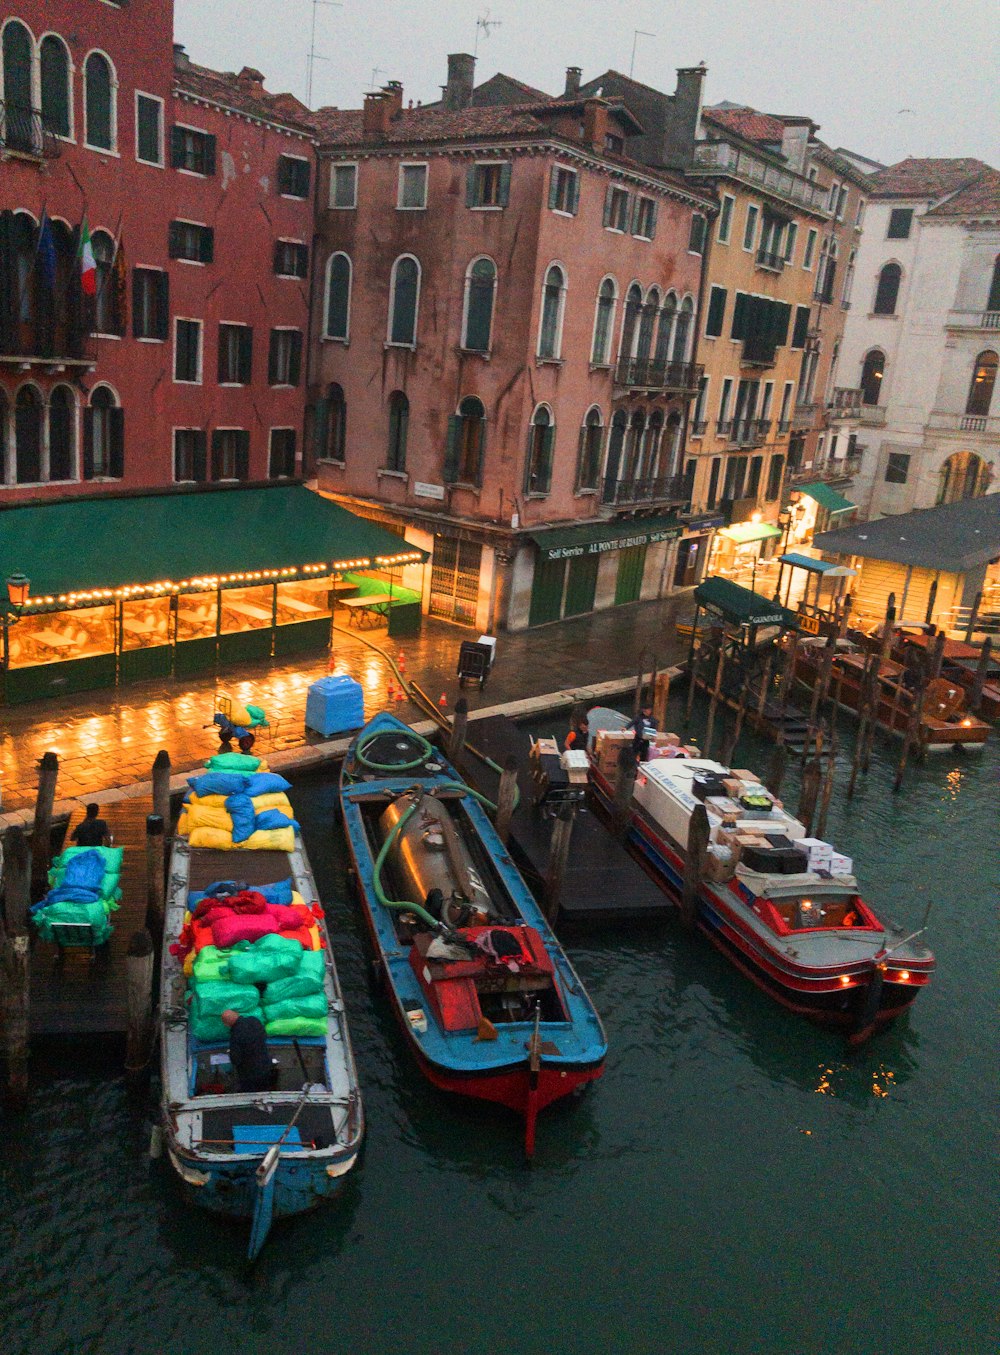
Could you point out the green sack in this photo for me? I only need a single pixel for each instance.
(210, 1000)
(297, 1025)
(257, 715)
(210, 965)
(271, 957)
(233, 762)
(299, 985)
(92, 915)
(310, 1005)
(313, 963)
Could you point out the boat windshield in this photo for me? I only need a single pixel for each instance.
(806, 912)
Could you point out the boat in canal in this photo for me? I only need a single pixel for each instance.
(960, 664)
(487, 1001)
(783, 907)
(244, 930)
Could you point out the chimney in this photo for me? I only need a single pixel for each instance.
(461, 78)
(181, 59)
(684, 117)
(795, 143)
(375, 118)
(252, 80)
(573, 74)
(595, 123)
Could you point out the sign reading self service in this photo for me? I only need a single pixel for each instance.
(612, 543)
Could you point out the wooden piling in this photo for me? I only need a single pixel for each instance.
(973, 618)
(161, 787)
(779, 760)
(912, 735)
(735, 730)
(624, 785)
(819, 691)
(811, 774)
(765, 683)
(139, 998)
(699, 832)
(661, 695)
(456, 740)
(506, 798)
(931, 598)
(155, 876)
(982, 668)
(937, 655)
(15, 992)
(873, 689)
(562, 834)
(713, 704)
(41, 833)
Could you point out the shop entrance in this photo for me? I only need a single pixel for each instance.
(547, 591)
(581, 586)
(628, 585)
(689, 556)
(455, 570)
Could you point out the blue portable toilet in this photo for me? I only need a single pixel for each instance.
(335, 705)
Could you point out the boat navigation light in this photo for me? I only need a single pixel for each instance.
(967, 723)
(903, 976)
(845, 980)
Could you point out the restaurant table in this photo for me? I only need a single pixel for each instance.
(249, 609)
(366, 611)
(53, 640)
(297, 605)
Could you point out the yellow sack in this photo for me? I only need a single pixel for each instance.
(219, 801)
(267, 840)
(231, 708)
(212, 837)
(276, 799)
(182, 822)
(209, 816)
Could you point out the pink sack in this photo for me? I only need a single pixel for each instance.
(287, 916)
(241, 927)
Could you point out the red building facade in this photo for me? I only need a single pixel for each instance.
(196, 192)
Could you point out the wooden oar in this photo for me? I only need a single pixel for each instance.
(534, 1070)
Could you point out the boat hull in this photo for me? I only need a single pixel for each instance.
(230, 1188)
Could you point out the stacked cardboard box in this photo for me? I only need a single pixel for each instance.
(818, 852)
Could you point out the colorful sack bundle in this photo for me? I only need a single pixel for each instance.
(210, 1000)
(272, 957)
(95, 915)
(297, 1025)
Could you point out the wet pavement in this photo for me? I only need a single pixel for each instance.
(109, 738)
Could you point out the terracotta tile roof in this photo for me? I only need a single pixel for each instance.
(531, 95)
(979, 198)
(345, 126)
(764, 128)
(244, 92)
(925, 178)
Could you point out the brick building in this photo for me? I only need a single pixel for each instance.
(505, 313)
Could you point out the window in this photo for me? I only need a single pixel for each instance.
(541, 440)
(56, 96)
(887, 292)
(62, 434)
(343, 187)
(964, 476)
(99, 102)
(337, 324)
(564, 190)
(487, 184)
(604, 322)
(150, 303)
(190, 241)
(553, 298)
(665, 331)
(18, 132)
(148, 129)
(859, 215)
(750, 226)
(696, 238)
(647, 324)
(404, 295)
(230, 454)
(845, 295)
(480, 285)
(724, 398)
(187, 351)
(900, 224)
(190, 455)
(281, 459)
(28, 419)
(753, 477)
(644, 225)
(831, 200)
(291, 259)
(897, 468)
(993, 298)
(712, 496)
(107, 300)
(588, 468)
(810, 250)
(842, 202)
(103, 436)
(235, 355)
(285, 357)
(872, 372)
(800, 330)
(775, 474)
(630, 321)
(412, 187)
(725, 219)
(984, 377)
(399, 418)
(716, 312)
(700, 404)
(330, 425)
(786, 405)
(294, 176)
(616, 209)
(790, 239)
(463, 462)
(684, 317)
(192, 150)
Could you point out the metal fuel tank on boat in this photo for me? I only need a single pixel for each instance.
(429, 854)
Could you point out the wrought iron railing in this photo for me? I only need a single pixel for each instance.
(774, 263)
(656, 374)
(846, 401)
(22, 130)
(759, 351)
(671, 488)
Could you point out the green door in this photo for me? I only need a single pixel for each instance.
(581, 585)
(547, 591)
(628, 585)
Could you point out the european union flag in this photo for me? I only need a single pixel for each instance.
(47, 252)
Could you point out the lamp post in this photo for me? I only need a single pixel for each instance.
(784, 522)
(17, 594)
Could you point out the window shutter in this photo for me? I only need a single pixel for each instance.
(272, 359)
(716, 312)
(216, 455)
(652, 219)
(783, 319)
(279, 249)
(284, 175)
(321, 424)
(470, 186)
(243, 455)
(207, 250)
(209, 154)
(246, 355)
(581, 457)
(177, 148)
(88, 443)
(451, 449)
(162, 325)
(116, 437)
(136, 285)
(607, 205)
(553, 185)
(505, 172)
(302, 257)
(221, 374)
(634, 215)
(295, 360)
(575, 198)
(548, 443)
(174, 237)
(738, 329)
(801, 329)
(199, 455)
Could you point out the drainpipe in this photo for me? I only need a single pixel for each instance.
(702, 284)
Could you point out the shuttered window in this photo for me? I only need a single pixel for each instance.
(192, 150)
(293, 176)
(291, 259)
(190, 455)
(235, 355)
(801, 331)
(281, 463)
(150, 303)
(716, 312)
(191, 241)
(230, 454)
(488, 184)
(285, 357)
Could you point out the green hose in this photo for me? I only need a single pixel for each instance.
(426, 751)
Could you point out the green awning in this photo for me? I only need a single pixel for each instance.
(827, 498)
(594, 538)
(76, 545)
(816, 566)
(740, 606)
(743, 533)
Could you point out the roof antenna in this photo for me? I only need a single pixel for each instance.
(484, 25)
(637, 33)
(314, 56)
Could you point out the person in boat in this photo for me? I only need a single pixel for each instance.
(579, 735)
(228, 731)
(643, 729)
(248, 1053)
(91, 831)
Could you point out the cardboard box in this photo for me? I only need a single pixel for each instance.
(815, 846)
(733, 785)
(841, 865)
(744, 775)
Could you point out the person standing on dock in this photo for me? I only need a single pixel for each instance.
(91, 831)
(643, 728)
(248, 1053)
(579, 735)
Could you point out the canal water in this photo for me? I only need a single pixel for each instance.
(735, 1183)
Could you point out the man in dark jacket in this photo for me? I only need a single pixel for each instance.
(248, 1052)
(92, 831)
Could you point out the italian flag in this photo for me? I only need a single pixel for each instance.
(88, 264)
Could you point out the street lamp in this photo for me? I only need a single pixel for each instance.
(18, 592)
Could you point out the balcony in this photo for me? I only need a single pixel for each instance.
(659, 489)
(804, 414)
(653, 374)
(51, 342)
(719, 157)
(749, 432)
(873, 416)
(963, 423)
(846, 402)
(22, 132)
(699, 427)
(784, 425)
(770, 262)
(759, 352)
(974, 320)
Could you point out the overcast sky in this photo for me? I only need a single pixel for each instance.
(888, 78)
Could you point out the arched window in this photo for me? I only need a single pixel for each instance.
(984, 378)
(647, 325)
(480, 285)
(62, 434)
(6, 470)
(670, 462)
(106, 302)
(332, 425)
(28, 436)
(99, 102)
(541, 442)
(993, 299)
(24, 233)
(963, 476)
(616, 442)
(588, 467)
(871, 377)
(683, 329)
(553, 301)
(404, 296)
(630, 320)
(466, 443)
(19, 133)
(604, 322)
(338, 297)
(399, 419)
(665, 333)
(634, 447)
(56, 97)
(103, 436)
(652, 446)
(887, 292)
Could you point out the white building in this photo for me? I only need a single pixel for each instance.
(913, 391)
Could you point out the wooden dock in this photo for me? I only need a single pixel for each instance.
(82, 992)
